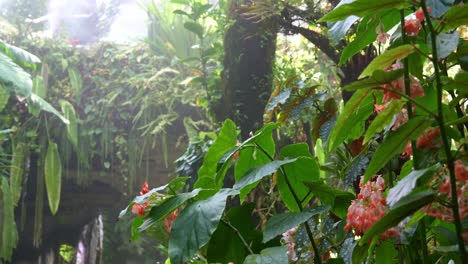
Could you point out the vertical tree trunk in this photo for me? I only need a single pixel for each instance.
(248, 69)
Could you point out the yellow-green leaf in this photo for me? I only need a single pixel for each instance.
(4, 96)
(387, 58)
(72, 128)
(17, 171)
(53, 176)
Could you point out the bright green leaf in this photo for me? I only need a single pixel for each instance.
(387, 58)
(456, 16)
(383, 119)
(195, 28)
(76, 82)
(44, 105)
(4, 96)
(377, 79)
(13, 78)
(72, 128)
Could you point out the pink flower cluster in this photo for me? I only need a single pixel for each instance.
(413, 26)
(369, 207)
(289, 240)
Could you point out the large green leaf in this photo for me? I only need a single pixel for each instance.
(362, 8)
(225, 141)
(339, 29)
(253, 177)
(274, 255)
(387, 58)
(17, 171)
(280, 223)
(251, 157)
(395, 143)
(44, 105)
(383, 119)
(339, 200)
(305, 169)
(170, 204)
(194, 226)
(19, 55)
(53, 176)
(14, 78)
(9, 233)
(386, 253)
(72, 128)
(356, 110)
(195, 28)
(226, 245)
(4, 96)
(406, 206)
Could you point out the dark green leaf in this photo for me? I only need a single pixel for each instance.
(44, 105)
(279, 99)
(357, 109)
(194, 226)
(274, 255)
(383, 119)
(53, 176)
(339, 29)
(17, 171)
(386, 253)
(387, 58)
(280, 223)
(362, 8)
(406, 206)
(395, 143)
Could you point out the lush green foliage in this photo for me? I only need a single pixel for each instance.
(408, 206)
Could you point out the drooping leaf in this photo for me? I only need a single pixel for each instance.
(395, 143)
(407, 184)
(357, 109)
(338, 200)
(194, 226)
(251, 179)
(400, 211)
(17, 171)
(9, 237)
(377, 79)
(53, 176)
(387, 58)
(44, 105)
(195, 28)
(274, 255)
(383, 119)
(13, 78)
(20, 56)
(339, 29)
(280, 223)
(72, 128)
(362, 8)
(225, 141)
(279, 99)
(446, 43)
(4, 96)
(170, 204)
(76, 82)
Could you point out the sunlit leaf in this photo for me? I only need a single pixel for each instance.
(53, 176)
(13, 78)
(383, 119)
(45, 106)
(387, 58)
(456, 16)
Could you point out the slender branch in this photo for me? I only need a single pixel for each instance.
(443, 133)
(299, 204)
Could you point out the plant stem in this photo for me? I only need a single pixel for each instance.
(422, 231)
(409, 105)
(239, 235)
(317, 256)
(443, 133)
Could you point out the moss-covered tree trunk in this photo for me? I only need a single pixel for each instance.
(248, 70)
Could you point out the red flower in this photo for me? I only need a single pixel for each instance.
(420, 14)
(139, 209)
(169, 220)
(144, 188)
(412, 27)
